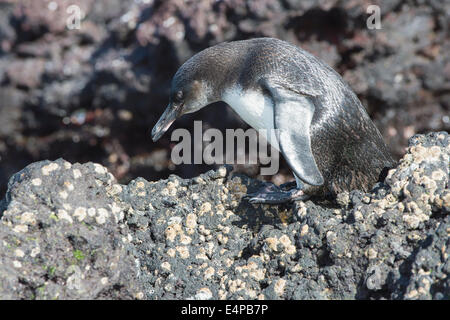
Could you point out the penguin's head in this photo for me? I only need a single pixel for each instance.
(192, 89)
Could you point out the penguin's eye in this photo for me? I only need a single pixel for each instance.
(179, 96)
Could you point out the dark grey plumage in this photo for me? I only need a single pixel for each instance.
(347, 147)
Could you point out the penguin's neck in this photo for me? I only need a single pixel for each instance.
(254, 107)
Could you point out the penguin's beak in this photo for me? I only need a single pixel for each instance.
(164, 123)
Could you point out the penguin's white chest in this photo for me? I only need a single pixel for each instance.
(255, 109)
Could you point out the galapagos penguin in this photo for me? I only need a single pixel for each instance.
(323, 131)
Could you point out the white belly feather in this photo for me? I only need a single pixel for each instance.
(255, 109)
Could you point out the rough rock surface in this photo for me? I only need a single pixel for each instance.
(63, 237)
(71, 231)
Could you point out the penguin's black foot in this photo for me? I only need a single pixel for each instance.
(288, 185)
(271, 194)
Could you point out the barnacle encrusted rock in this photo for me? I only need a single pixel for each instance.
(70, 231)
(62, 237)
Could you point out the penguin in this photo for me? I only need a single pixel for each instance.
(323, 130)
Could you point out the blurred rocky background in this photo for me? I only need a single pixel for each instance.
(93, 93)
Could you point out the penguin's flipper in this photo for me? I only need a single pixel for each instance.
(293, 113)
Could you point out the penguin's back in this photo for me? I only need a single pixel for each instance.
(347, 146)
